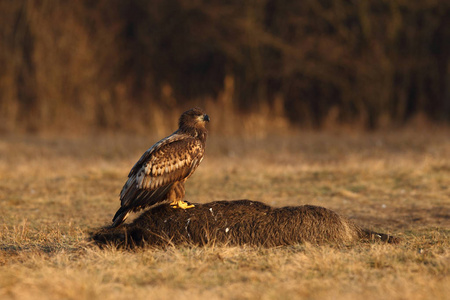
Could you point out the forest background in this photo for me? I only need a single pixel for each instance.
(255, 66)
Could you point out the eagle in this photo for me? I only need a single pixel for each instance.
(160, 173)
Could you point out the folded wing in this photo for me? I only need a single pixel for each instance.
(169, 161)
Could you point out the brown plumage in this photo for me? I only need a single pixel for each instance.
(160, 173)
(241, 222)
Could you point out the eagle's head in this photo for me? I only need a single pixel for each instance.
(193, 121)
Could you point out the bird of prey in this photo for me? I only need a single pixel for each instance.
(160, 173)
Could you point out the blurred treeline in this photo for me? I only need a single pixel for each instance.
(115, 64)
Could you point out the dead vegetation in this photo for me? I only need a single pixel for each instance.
(53, 191)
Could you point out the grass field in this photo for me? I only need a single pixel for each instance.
(54, 191)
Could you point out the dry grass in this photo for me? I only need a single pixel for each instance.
(53, 191)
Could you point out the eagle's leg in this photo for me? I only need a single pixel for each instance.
(182, 204)
(176, 196)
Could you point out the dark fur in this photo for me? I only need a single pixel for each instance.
(248, 223)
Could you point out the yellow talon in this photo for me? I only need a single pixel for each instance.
(181, 204)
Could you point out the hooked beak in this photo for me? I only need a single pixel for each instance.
(205, 118)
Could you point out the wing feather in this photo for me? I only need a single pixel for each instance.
(172, 159)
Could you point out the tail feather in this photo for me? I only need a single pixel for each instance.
(134, 199)
(120, 216)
